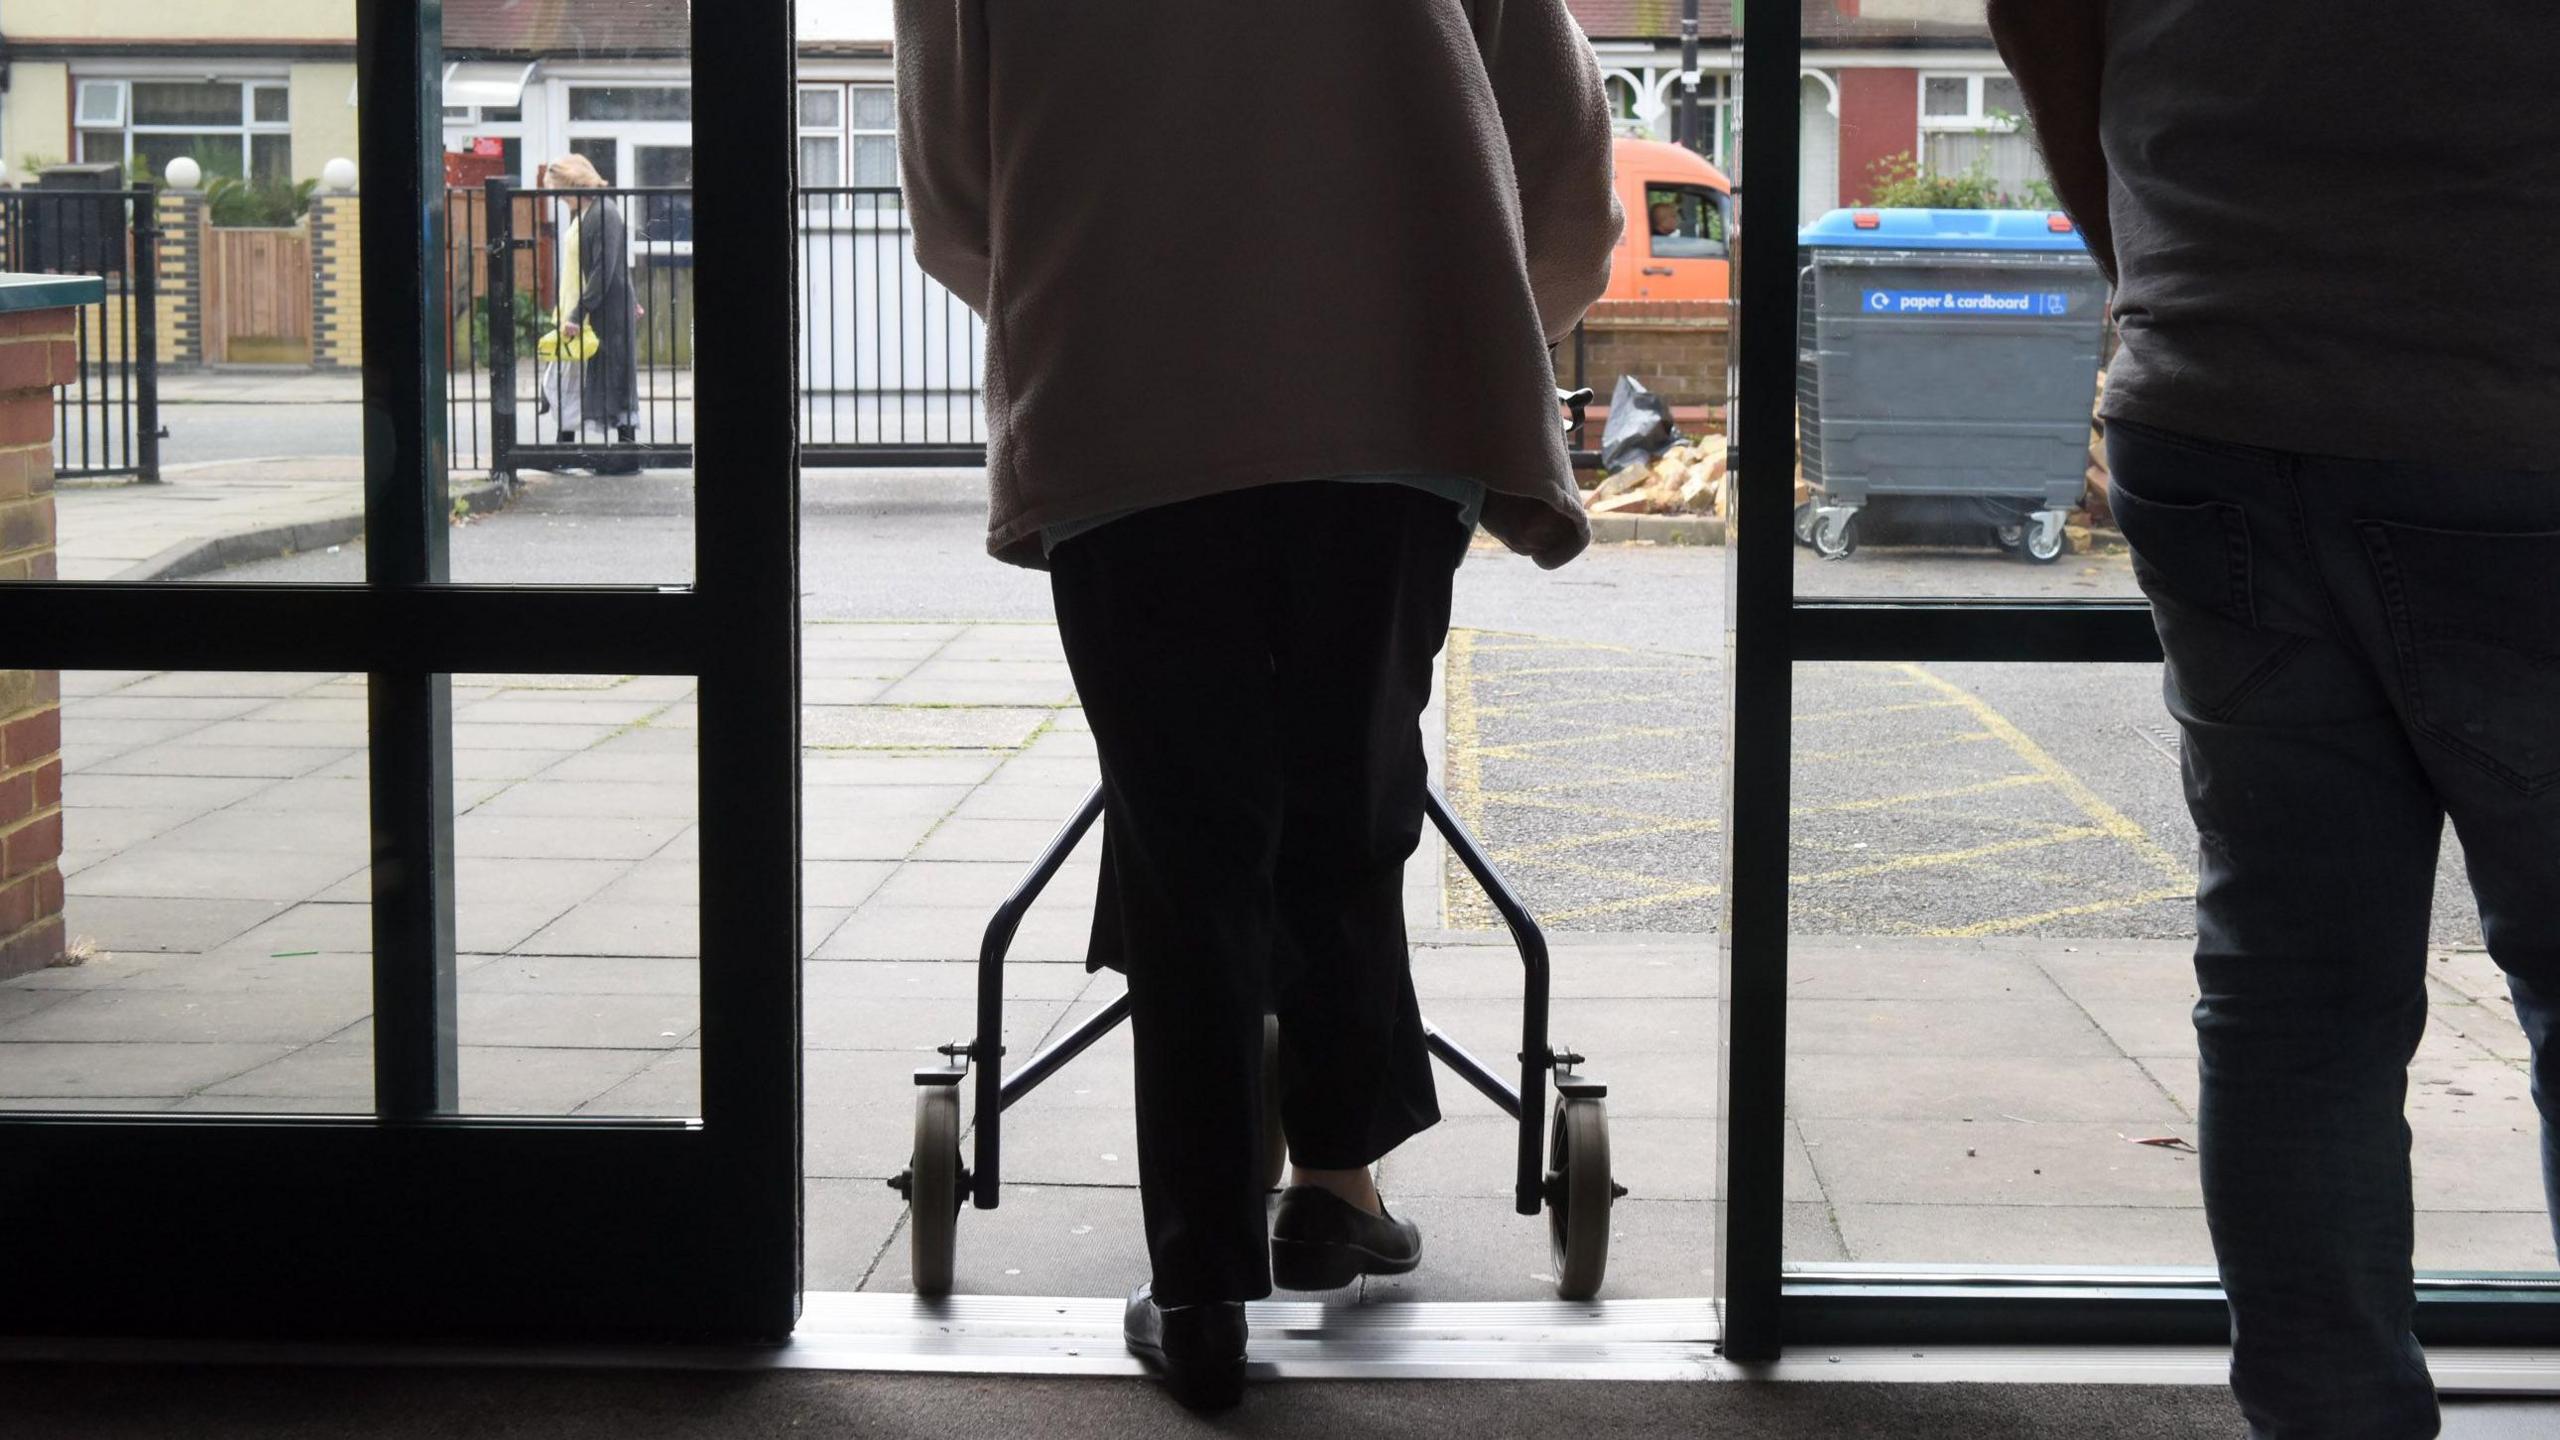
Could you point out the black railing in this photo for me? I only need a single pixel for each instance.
(107, 419)
(889, 357)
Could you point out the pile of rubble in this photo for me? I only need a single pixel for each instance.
(1687, 479)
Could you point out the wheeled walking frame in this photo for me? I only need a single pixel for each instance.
(1568, 1176)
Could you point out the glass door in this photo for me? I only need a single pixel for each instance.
(1960, 1063)
(334, 1032)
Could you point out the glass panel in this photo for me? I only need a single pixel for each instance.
(219, 156)
(822, 108)
(1687, 222)
(271, 159)
(875, 161)
(576, 894)
(875, 107)
(252, 351)
(821, 160)
(601, 152)
(1991, 1034)
(1948, 441)
(2000, 98)
(630, 102)
(184, 919)
(174, 102)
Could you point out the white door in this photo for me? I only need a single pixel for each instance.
(1821, 156)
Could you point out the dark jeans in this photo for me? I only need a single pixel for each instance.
(1255, 667)
(2356, 651)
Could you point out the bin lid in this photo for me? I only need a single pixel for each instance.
(1876, 228)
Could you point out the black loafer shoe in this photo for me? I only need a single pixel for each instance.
(1320, 1241)
(1199, 1349)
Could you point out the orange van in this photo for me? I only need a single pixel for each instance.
(1679, 217)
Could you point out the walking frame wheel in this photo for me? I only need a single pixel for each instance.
(1580, 1195)
(935, 1185)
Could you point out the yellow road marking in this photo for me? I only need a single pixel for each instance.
(1919, 797)
(1867, 752)
(2011, 923)
(1943, 858)
(2106, 817)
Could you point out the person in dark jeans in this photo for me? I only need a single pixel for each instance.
(2331, 449)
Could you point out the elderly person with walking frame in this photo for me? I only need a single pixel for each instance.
(1270, 291)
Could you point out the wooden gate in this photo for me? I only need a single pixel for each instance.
(258, 296)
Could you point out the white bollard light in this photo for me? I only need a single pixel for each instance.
(183, 174)
(339, 174)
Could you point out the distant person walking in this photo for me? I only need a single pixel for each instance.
(1269, 293)
(2331, 430)
(594, 384)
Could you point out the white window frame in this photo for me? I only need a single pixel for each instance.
(835, 132)
(249, 128)
(471, 122)
(1975, 117)
(628, 135)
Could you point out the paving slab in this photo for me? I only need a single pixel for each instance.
(670, 1085)
(529, 1080)
(609, 927)
(2050, 1026)
(953, 932)
(2023, 1234)
(121, 923)
(281, 1015)
(637, 1023)
(1977, 1087)
(98, 1071)
(156, 873)
(846, 1228)
(879, 727)
(832, 1020)
(1043, 1240)
(2001, 1162)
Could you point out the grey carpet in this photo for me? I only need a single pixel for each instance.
(111, 1402)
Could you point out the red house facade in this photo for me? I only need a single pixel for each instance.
(1883, 81)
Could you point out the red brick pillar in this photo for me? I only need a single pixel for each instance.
(35, 356)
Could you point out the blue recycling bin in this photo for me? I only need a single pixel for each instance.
(1946, 368)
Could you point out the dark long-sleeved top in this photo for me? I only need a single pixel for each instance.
(1228, 243)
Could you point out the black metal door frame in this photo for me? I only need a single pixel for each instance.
(1767, 1305)
(414, 1222)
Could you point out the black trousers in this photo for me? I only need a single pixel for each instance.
(1255, 667)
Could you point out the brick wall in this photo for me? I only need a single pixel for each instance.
(181, 277)
(35, 355)
(1678, 348)
(337, 283)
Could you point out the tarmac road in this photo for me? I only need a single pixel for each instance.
(1585, 731)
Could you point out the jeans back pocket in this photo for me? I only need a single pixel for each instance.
(2197, 565)
(2475, 622)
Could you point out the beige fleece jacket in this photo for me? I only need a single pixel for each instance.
(1229, 243)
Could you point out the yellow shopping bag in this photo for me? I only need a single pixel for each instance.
(580, 347)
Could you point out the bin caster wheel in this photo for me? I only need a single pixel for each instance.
(1835, 539)
(934, 1188)
(1275, 1143)
(2043, 549)
(1579, 1196)
(1804, 524)
(2011, 537)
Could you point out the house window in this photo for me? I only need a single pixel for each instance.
(466, 126)
(848, 136)
(241, 129)
(640, 137)
(1977, 122)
